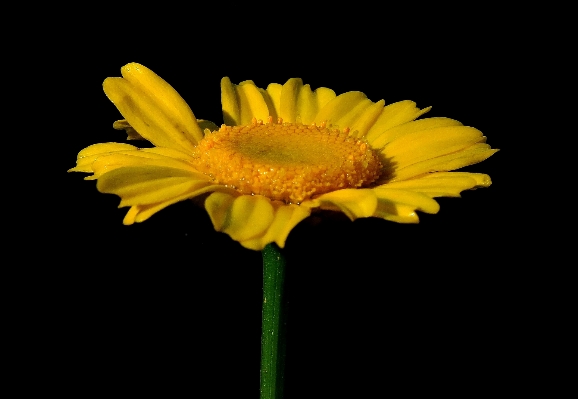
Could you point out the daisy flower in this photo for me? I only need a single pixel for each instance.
(282, 153)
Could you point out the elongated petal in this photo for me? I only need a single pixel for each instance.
(153, 108)
(393, 115)
(274, 91)
(230, 103)
(411, 127)
(243, 217)
(140, 213)
(88, 155)
(109, 162)
(423, 145)
(355, 203)
(288, 104)
(340, 106)
(469, 156)
(299, 104)
(348, 118)
(148, 184)
(401, 205)
(270, 104)
(361, 124)
(217, 206)
(285, 219)
(241, 103)
(443, 184)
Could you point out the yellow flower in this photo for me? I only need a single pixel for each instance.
(283, 152)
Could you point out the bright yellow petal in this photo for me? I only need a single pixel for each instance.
(288, 104)
(443, 184)
(393, 115)
(241, 103)
(397, 213)
(411, 127)
(230, 103)
(140, 213)
(354, 203)
(349, 117)
(299, 104)
(88, 155)
(153, 108)
(148, 184)
(469, 156)
(365, 120)
(401, 205)
(423, 145)
(109, 162)
(243, 217)
(340, 106)
(251, 102)
(285, 219)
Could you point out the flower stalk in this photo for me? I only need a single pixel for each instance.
(273, 325)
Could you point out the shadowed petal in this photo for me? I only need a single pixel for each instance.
(153, 108)
(443, 184)
(411, 127)
(393, 115)
(243, 217)
(285, 219)
(88, 155)
(469, 156)
(401, 205)
(355, 203)
(241, 103)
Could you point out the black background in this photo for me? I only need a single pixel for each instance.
(372, 305)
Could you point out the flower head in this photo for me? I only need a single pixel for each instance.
(283, 152)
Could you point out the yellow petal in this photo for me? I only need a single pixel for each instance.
(469, 156)
(241, 103)
(229, 103)
(298, 103)
(274, 91)
(204, 125)
(364, 121)
(88, 155)
(140, 213)
(242, 217)
(288, 104)
(130, 132)
(401, 205)
(340, 106)
(443, 184)
(217, 206)
(423, 145)
(251, 102)
(349, 117)
(418, 201)
(393, 115)
(397, 213)
(411, 127)
(153, 108)
(285, 219)
(270, 104)
(109, 162)
(148, 184)
(354, 203)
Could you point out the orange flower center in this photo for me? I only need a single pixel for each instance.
(290, 162)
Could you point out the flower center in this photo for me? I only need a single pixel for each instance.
(290, 162)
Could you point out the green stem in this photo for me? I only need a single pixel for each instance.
(273, 329)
